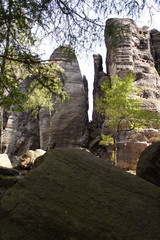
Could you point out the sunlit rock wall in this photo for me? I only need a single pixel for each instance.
(67, 125)
(134, 49)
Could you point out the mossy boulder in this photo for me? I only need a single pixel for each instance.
(74, 195)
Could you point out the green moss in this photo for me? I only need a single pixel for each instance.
(8, 177)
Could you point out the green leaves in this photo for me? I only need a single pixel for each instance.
(18, 61)
(123, 108)
(46, 86)
(107, 140)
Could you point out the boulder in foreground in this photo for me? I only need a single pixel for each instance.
(74, 195)
(148, 166)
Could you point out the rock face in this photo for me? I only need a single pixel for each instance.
(20, 134)
(79, 197)
(155, 48)
(99, 77)
(28, 159)
(148, 166)
(8, 171)
(5, 161)
(130, 48)
(67, 125)
(64, 126)
(95, 127)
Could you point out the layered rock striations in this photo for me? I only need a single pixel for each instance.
(64, 126)
(130, 50)
(67, 124)
(134, 49)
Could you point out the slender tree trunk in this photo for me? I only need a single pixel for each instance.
(1, 130)
(115, 152)
(49, 132)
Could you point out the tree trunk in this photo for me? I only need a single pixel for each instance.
(115, 152)
(1, 130)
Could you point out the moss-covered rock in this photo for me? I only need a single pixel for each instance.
(74, 195)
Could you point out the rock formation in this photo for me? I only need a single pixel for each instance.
(27, 160)
(99, 77)
(155, 48)
(21, 133)
(148, 166)
(67, 125)
(73, 194)
(64, 126)
(130, 48)
(5, 161)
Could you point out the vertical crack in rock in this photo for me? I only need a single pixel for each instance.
(155, 48)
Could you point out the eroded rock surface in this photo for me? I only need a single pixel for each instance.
(21, 133)
(66, 125)
(134, 49)
(148, 166)
(155, 48)
(73, 194)
(99, 77)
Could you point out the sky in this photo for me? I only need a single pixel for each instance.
(87, 66)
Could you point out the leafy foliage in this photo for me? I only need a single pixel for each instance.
(123, 109)
(106, 140)
(78, 23)
(46, 86)
(17, 60)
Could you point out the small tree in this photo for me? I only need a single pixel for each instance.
(123, 110)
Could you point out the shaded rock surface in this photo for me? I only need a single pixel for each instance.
(8, 178)
(130, 48)
(148, 166)
(8, 171)
(6, 183)
(20, 134)
(73, 194)
(21, 130)
(155, 48)
(99, 77)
